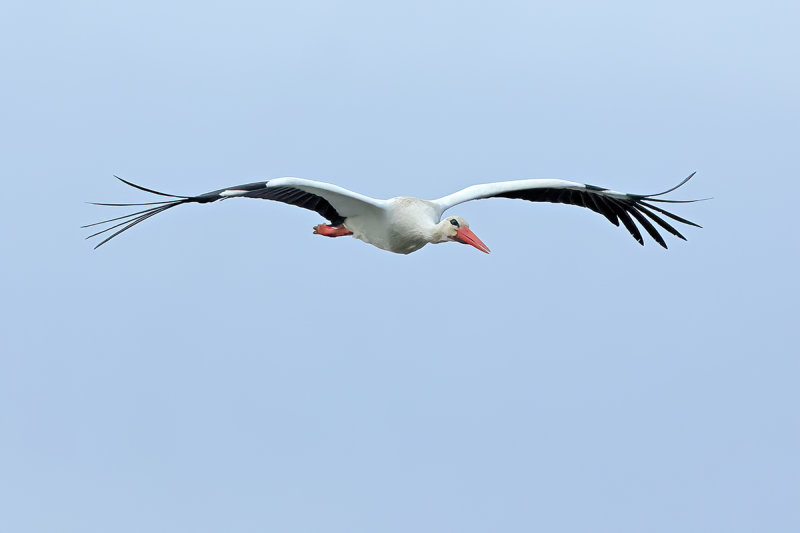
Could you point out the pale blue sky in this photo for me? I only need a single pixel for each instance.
(220, 368)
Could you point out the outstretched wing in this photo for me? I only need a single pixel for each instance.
(615, 206)
(332, 202)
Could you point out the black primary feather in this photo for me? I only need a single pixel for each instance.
(288, 195)
(614, 207)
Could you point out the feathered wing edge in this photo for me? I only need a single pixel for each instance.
(641, 208)
(618, 207)
(286, 194)
(131, 219)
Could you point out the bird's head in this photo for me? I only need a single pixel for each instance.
(457, 229)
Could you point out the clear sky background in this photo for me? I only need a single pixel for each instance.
(220, 368)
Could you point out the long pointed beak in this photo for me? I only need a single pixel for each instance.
(465, 236)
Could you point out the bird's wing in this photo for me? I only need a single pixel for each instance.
(331, 201)
(615, 206)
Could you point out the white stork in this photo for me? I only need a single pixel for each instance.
(403, 224)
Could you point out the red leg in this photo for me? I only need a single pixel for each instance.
(331, 231)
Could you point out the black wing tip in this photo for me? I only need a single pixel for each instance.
(686, 179)
(639, 208)
(132, 219)
(678, 186)
(128, 224)
(126, 182)
(129, 205)
(650, 198)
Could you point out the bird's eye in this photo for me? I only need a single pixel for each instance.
(454, 222)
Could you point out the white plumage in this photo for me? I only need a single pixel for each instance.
(405, 224)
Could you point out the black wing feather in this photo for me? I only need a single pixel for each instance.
(660, 221)
(648, 226)
(292, 196)
(627, 221)
(287, 195)
(613, 207)
(673, 216)
(609, 211)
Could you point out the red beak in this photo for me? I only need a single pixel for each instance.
(465, 236)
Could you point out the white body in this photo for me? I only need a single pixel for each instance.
(403, 224)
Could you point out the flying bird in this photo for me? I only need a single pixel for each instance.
(403, 224)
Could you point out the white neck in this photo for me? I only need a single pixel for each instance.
(440, 232)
